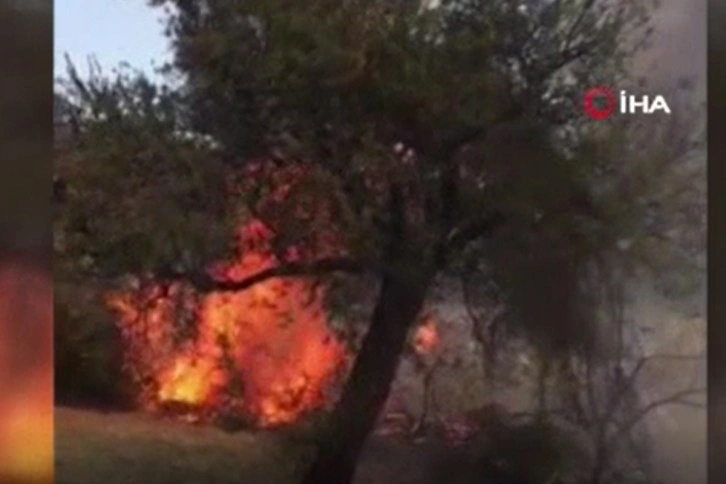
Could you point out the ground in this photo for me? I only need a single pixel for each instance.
(131, 448)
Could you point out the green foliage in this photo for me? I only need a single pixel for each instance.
(398, 71)
(339, 83)
(140, 193)
(87, 349)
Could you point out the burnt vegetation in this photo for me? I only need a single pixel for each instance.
(430, 143)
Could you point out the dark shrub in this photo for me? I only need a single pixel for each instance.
(88, 356)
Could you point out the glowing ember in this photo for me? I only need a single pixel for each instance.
(427, 338)
(265, 352)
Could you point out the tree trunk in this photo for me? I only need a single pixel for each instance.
(366, 391)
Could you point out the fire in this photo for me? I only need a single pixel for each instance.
(426, 339)
(190, 381)
(265, 353)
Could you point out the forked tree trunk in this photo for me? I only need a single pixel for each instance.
(399, 302)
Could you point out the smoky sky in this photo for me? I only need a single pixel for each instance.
(678, 46)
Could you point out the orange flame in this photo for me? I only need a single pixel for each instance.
(265, 352)
(426, 339)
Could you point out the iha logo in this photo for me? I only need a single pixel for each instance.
(601, 103)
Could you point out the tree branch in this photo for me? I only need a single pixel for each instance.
(678, 398)
(477, 228)
(569, 37)
(206, 283)
(629, 381)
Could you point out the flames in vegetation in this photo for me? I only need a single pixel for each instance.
(266, 352)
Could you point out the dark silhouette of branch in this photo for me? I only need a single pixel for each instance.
(628, 382)
(484, 329)
(206, 283)
(678, 398)
(468, 232)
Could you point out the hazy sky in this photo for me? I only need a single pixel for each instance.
(113, 30)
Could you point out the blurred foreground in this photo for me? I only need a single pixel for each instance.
(26, 418)
(26, 406)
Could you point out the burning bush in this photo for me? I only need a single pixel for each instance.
(266, 353)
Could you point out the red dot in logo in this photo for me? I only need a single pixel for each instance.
(604, 111)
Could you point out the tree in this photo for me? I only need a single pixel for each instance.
(135, 191)
(443, 136)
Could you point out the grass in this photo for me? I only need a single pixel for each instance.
(131, 448)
